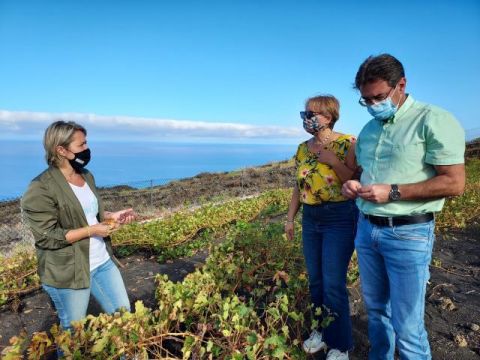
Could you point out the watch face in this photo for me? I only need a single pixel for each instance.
(394, 193)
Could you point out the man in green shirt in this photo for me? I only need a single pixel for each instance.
(412, 157)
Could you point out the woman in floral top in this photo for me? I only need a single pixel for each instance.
(323, 164)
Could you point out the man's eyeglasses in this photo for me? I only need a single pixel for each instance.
(365, 101)
(308, 114)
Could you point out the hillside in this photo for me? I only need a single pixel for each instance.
(473, 149)
(158, 200)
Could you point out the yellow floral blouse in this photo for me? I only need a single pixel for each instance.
(317, 182)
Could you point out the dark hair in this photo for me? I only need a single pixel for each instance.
(381, 67)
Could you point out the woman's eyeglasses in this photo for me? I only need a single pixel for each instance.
(308, 114)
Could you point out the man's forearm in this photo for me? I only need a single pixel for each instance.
(449, 181)
(437, 187)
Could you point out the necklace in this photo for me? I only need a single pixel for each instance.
(324, 141)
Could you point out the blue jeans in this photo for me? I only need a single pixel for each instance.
(328, 232)
(106, 285)
(394, 270)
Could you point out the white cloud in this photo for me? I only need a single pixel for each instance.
(25, 123)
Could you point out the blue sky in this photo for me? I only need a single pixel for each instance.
(223, 70)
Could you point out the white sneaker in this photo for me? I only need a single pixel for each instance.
(314, 343)
(335, 354)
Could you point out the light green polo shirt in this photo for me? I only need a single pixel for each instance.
(404, 150)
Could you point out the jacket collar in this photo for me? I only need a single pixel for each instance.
(67, 190)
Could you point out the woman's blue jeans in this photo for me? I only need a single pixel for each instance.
(394, 270)
(107, 287)
(328, 232)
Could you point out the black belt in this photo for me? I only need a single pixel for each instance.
(399, 220)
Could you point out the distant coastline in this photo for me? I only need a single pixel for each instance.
(137, 164)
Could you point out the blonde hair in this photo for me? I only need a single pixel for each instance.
(327, 105)
(59, 133)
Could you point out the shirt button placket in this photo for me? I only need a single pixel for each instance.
(377, 154)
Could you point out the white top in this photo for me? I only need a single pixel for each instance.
(98, 251)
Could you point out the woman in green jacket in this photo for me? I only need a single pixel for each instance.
(71, 228)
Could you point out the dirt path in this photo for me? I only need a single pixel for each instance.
(452, 306)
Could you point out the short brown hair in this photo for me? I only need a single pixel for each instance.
(382, 67)
(327, 105)
(59, 133)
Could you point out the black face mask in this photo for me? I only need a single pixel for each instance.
(80, 160)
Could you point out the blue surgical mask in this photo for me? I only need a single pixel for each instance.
(382, 110)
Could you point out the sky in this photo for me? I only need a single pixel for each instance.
(228, 71)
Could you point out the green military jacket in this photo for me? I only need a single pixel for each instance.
(51, 209)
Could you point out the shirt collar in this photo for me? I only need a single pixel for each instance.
(403, 109)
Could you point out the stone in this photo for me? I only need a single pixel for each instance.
(460, 340)
(474, 327)
(447, 304)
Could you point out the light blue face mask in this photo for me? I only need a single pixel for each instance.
(383, 110)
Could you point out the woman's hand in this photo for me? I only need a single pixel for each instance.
(292, 211)
(125, 216)
(327, 157)
(351, 188)
(289, 229)
(101, 229)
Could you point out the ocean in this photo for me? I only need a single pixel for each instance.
(138, 164)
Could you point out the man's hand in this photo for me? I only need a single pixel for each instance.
(327, 157)
(350, 189)
(377, 193)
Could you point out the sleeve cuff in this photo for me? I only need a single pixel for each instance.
(445, 161)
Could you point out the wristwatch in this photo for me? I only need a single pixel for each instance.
(394, 193)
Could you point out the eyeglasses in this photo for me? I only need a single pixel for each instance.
(365, 101)
(308, 114)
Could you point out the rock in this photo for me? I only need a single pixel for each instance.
(446, 304)
(471, 326)
(460, 340)
(474, 327)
